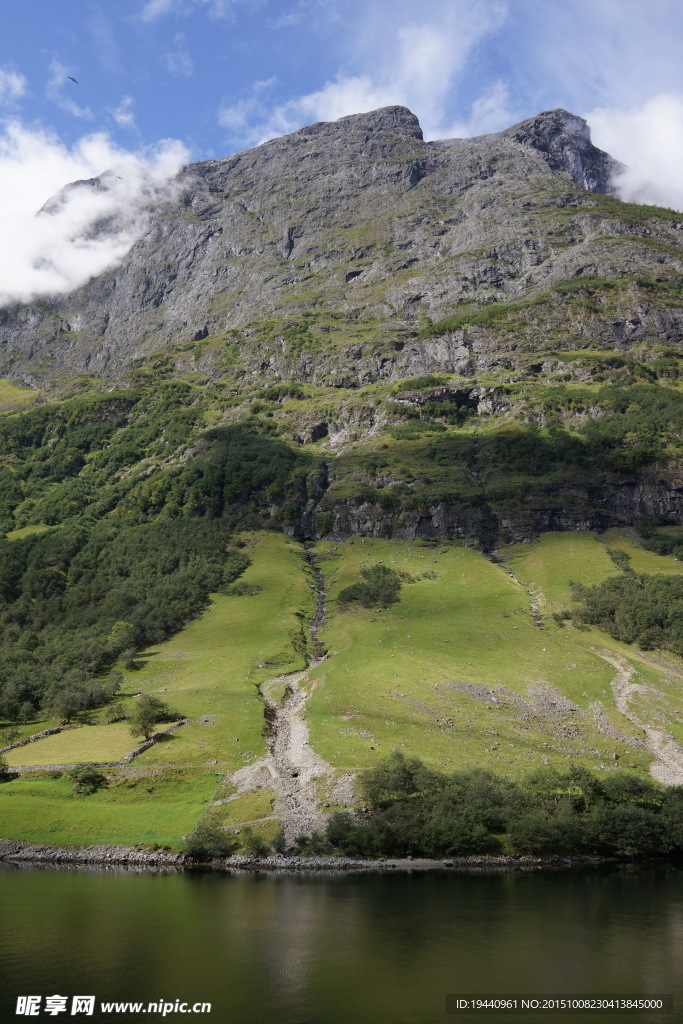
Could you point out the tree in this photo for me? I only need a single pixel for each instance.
(88, 780)
(122, 637)
(4, 769)
(148, 713)
(208, 840)
(381, 588)
(255, 844)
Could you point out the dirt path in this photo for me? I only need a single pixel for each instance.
(292, 768)
(668, 768)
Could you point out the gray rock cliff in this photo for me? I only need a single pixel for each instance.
(358, 215)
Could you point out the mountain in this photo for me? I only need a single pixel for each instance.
(361, 217)
(391, 425)
(459, 323)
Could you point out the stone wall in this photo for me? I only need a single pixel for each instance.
(126, 759)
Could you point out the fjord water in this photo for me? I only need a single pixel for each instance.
(338, 949)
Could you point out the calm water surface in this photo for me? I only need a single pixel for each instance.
(338, 949)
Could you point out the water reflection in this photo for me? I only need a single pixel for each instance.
(328, 949)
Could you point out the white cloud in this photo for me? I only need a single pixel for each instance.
(154, 9)
(82, 231)
(649, 141)
(58, 88)
(12, 85)
(416, 65)
(489, 112)
(178, 60)
(123, 115)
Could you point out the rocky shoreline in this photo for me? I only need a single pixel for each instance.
(14, 851)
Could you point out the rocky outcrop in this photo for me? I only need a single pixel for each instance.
(133, 856)
(358, 215)
(565, 141)
(596, 506)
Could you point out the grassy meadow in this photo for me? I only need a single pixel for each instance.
(134, 808)
(211, 670)
(86, 743)
(458, 673)
(14, 399)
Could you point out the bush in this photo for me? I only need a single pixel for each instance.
(209, 841)
(636, 609)
(88, 780)
(115, 713)
(255, 845)
(381, 588)
(149, 711)
(414, 811)
(243, 589)
(280, 842)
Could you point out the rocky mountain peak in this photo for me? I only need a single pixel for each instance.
(395, 120)
(565, 141)
(357, 216)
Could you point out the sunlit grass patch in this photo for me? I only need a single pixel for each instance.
(132, 809)
(86, 743)
(210, 671)
(549, 565)
(13, 397)
(407, 677)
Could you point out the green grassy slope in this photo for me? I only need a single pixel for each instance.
(87, 743)
(457, 673)
(212, 669)
(134, 808)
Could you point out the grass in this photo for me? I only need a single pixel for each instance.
(251, 810)
(425, 676)
(13, 397)
(211, 670)
(87, 743)
(135, 808)
(457, 673)
(27, 531)
(642, 560)
(549, 565)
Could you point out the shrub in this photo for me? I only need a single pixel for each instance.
(88, 780)
(381, 588)
(208, 841)
(642, 609)
(148, 712)
(414, 811)
(255, 845)
(243, 589)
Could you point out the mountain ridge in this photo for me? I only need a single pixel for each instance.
(360, 215)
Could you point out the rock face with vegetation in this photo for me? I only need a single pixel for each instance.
(469, 337)
(361, 219)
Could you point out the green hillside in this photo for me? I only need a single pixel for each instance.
(399, 471)
(462, 672)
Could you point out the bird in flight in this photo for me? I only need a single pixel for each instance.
(73, 79)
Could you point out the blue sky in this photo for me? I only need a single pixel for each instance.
(161, 82)
(223, 74)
